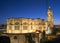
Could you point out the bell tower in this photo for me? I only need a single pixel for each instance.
(50, 17)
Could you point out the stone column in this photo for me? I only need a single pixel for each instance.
(36, 38)
(11, 39)
(40, 36)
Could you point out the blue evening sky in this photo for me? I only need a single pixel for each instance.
(29, 9)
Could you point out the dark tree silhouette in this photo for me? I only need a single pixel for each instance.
(44, 38)
(4, 39)
(29, 38)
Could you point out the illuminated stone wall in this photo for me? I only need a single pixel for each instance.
(25, 25)
(50, 17)
(28, 25)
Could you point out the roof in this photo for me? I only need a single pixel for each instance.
(56, 26)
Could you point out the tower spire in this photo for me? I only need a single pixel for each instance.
(50, 17)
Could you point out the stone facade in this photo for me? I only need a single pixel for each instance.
(17, 39)
(18, 26)
(24, 25)
(28, 25)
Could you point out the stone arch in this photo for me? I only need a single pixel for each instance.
(15, 37)
(16, 23)
(4, 39)
(25, 23)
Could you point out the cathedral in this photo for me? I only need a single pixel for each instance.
(18, 27)
(28, 25)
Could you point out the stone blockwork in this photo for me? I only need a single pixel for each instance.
(18, 26)
(24, 25)
(17, 39)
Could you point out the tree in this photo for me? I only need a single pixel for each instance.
(44, 38)
(29, 38)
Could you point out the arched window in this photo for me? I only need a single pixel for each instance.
(10, 27)
(24, 27)
(31, 25)
(17, 23)
(17, 27)
(25, 23)
(15, 37)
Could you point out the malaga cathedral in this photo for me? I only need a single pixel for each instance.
(27, 25)
(17, 28)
